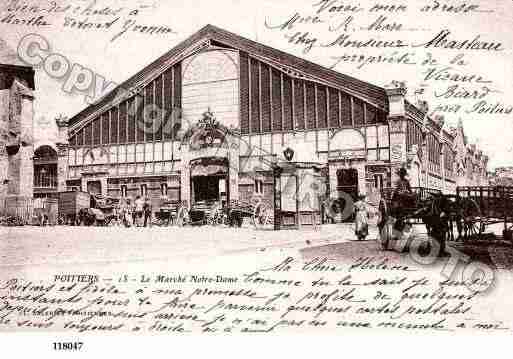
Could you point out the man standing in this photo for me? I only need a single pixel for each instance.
(147, 211)
(402, 185)
(139, 208)
(361, 218)
(401, 198)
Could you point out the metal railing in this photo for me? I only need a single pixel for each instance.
(19, 209)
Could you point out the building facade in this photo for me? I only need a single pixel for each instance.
(214, 117)
(471, 163)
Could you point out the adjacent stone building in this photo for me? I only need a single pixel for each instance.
(16, 128)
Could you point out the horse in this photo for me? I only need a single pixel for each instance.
(434, 213)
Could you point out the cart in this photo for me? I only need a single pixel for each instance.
(261, 213)
(107, 212)
(206, 212)
(487, 205)
(71, 205)
(408, 206)
(169, 212)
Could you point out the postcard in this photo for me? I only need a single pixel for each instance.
(267, 168)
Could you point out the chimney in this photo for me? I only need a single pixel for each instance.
(62, 126)
(395, 92)
(423, 106)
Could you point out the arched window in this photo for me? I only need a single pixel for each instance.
(210, 80)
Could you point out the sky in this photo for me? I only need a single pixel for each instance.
(118, 59)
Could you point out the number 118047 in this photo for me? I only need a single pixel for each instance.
(67, 345)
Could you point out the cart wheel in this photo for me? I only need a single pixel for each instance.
(472, 218)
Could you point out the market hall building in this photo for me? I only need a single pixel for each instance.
(232, 110)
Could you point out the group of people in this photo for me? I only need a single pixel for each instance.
(403, 200)
(137, 213)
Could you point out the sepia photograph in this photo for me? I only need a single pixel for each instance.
(269, 168)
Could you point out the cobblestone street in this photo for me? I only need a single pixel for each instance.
(60, 245)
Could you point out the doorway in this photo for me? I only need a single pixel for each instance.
(209, 181)
(347, 186)
(206, 188)
(347, 181)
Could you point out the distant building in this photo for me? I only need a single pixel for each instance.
(502, 176)
(471, 163)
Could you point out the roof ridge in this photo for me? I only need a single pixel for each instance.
(372, 93)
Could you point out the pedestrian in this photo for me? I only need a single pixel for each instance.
(401, 198)
(147, 212)
(361, 218)
(127, 213)
(139, 210)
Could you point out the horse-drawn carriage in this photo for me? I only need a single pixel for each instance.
(261, 214)
(207, 212)
(217, 213)
(471, 210)
(172, 212)
(104, 211)
(82, 208)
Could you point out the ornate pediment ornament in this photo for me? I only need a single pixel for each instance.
(208, 120)
(207, 132)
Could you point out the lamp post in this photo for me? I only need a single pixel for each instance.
(277, 196)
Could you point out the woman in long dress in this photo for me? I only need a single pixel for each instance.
(361, 218)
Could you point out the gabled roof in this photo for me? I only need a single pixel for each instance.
(370, 93)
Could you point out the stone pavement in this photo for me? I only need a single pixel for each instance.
(63, 244)
(71, 245)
